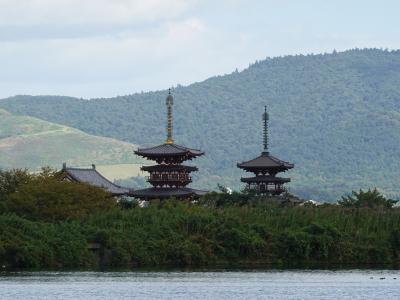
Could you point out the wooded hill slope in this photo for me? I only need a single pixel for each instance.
(336, 116)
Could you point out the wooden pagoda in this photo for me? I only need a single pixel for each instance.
(169, 177)
(265, 168)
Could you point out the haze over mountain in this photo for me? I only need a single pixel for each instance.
(336, 116)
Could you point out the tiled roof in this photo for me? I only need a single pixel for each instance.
(271, 179)
(169, 168)
(168, 149)
(266, 161)
(167, 193)
(94, 178)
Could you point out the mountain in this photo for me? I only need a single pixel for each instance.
(335, 116)
(27, 142)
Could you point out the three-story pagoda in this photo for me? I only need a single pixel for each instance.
(265, 168)
(169, 177)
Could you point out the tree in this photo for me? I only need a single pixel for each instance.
(11, 180)
(371, 198)
(46, 196)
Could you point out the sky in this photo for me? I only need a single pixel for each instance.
(105, 48)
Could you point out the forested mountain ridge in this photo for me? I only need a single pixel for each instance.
(336, 116)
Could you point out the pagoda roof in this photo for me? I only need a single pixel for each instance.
(162, 193)
(266, 178)
(265, 161)
(164, 167)
(92, 177)
(168, 150)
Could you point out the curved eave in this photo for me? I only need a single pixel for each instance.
(168, 150)
(163, 193)
(169, 168)
(248, 165)
(265, 162)
(257, 169)
(106, 184)
(163, 154)
(285, 165)
(266, 179)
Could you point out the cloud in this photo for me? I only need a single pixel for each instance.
(144, 58)
(70, 19)
(98, 48)
(85, 12)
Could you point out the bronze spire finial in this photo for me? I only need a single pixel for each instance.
(169, 102)
(265, 130)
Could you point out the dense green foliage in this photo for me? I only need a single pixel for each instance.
(370, 198)
(336, 116)
(46, 222)
(180, 234)
(47, 197)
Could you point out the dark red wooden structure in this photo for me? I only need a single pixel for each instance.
(169, 177)
(265, 168)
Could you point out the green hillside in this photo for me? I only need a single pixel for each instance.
(336, 116)
(27, 142)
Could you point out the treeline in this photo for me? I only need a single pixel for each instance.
(221, 229)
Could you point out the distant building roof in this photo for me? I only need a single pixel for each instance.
(92, 177)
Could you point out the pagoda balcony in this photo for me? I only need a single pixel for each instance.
(169, 179)
(271, 191)
(267, 179)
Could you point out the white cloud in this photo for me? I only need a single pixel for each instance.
(86, 12)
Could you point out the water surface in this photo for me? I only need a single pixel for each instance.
(202, 285)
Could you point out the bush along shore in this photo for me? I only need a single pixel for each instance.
(48, 223)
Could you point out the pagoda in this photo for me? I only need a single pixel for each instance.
(169, 177)
(265, 168)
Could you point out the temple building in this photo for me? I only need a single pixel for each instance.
(265, 168)
(169, 177)
(92, 177)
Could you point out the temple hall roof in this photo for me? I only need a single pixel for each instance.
(92, 177)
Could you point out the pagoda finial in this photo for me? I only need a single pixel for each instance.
(169, 102)
(265, 131)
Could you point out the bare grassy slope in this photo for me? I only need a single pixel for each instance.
(27, 142)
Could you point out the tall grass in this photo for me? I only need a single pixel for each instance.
(182, 234)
